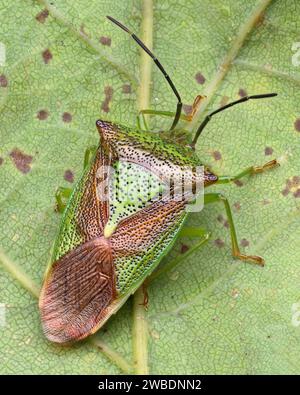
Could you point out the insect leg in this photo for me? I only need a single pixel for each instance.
(146, 296)
(185, 232)
(89, 153)
(184, 117)
(190, 231)
(141, 122)
(62, 195)
(219, 197)
(249, 171)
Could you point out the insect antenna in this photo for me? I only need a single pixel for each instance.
(209, 116)
(158, 64)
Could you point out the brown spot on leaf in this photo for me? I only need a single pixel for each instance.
(223, 220)
(108, 91)
(200, 78)
(296, 180)
(297, 193)
(22, 161)
(220, 218)
(42, 16)
(187, 108)
(184, 248)
(297, 125)
(217, 155)
(105, 41)
(47, 56)
(67, 117)
(245, 243)
(292, 185)
(285, 191)
(69, 176)
(219, 243)
(126, 88)
(268, 151)
(105, 107)
(3, 81)
(237, 206)
(238, 183)
(242, 92)
(42, 115)
(1, 161)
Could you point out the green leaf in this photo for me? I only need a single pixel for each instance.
(67, 65)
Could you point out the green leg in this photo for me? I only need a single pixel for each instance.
(89, 153)
(190, 231)
(185, 232)
(141, 122)
(184, 117)
(62, 195)
(138, 123)
(219, 197)
(249, 171)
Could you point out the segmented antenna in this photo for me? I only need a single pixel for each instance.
(158, 64)
(209, 116)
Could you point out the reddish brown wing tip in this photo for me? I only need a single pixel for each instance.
(77, 291)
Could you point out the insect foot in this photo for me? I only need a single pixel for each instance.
(267, 166)
(250, 258)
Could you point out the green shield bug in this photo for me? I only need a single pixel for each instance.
(124, 215)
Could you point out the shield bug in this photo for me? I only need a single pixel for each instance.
(124, 215)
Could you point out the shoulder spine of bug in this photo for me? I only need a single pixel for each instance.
(107, 247)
